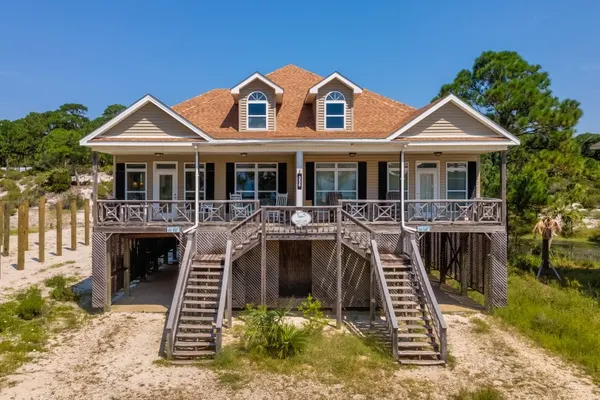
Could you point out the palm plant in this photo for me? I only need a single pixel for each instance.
(547, 227)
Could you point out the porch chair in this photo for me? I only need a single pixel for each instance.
(278, 215)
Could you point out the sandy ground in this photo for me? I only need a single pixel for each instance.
(112, 358)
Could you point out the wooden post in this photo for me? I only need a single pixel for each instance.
(95, 187)
(504, 216)
(108, 272)
(26, 221)
(464, 273)
(42, 230)
(73, 225)
(59, 238)
(263, 260)
(21, 238)
(6, 228)
(2, 215)
(127, 266)
(338, 252)
(86, 224)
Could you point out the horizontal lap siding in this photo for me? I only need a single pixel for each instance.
(150, 121)
(449, 121)
(271, 106)
(320, 104)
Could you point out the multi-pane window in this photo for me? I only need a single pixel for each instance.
(257, 111)
(190, 181)
(135, 181)
(393, 182)
(456, 180)
(335, 111)
(335, 177)
(257, 181)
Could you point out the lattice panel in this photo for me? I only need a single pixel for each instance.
(99, 283)
(251, 264)
(209, 242)
(272, 272)
(355, 279)
(389, 243)
(324, 272)
(498, 275)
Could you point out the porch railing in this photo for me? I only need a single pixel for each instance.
(481, 211)
(224, 299)
(278, 219)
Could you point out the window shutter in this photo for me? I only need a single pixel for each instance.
(309, 179)
(282, 178)
(383, 180)
(229, 179)
(120, 181)
(362, 180)
(209, 182)
(472, 179)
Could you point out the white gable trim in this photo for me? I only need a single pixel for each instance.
(135, 107)
(466, 108)
(235, 91)
(336, 75)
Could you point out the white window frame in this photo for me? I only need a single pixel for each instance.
(144, 170)
(256, 170)
(336, 169)
(202, 171)
(397, 169)
(455, 169)
(265, 116)
(335, 115)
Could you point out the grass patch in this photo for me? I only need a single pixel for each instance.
(162, 362)
(232, 380)
(57, 265)
(61, 288)
(559, 319)
(477, 297)
(480, 326)
(485, 393)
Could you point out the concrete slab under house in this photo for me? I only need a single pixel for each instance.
(290, 183)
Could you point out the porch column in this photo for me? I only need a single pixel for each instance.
(197, 194)
(95, 187)
(504, 215)
(299, 179)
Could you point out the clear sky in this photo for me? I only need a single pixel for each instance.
(104, 52)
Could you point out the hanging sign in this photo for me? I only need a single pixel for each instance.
(423, 228)
(299, 179)
(173, 229)
(301, 218)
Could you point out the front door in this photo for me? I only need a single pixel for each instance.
(426, 188)
(295, 269)
(165, 188)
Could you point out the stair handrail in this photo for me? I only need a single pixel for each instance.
(388, 307)
(432, 304)
(346, 218)
(174, 311)
(224, 297)
(242, 224)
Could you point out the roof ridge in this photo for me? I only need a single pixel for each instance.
(295, 67)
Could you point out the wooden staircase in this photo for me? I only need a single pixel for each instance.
(417, 343)
(195, 335)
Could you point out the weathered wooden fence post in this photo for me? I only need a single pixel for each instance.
(6, 228)
(21, 238)
(73, 225)
(42, 230)
(59, 228)
(26, 220)
(86, 209)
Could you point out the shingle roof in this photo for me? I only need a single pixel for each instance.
(216, 113)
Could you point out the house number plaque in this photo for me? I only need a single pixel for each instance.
(301, 218)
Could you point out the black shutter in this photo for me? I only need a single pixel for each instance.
(120, 181)
(362, 180)
(229, 179)
(309, 179)
(209, 182)
(383, 181)
(472, 179)
(282, 178)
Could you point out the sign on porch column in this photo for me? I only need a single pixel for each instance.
(299, 178)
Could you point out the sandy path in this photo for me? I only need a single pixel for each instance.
(112, 358)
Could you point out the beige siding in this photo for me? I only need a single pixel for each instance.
(150, 122)
(271, 106)
(371, 159)
(320, 104)
(449, 121)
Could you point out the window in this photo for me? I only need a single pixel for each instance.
(257, 111)
(456, 180)
(335, 177)
(190, 181)
(335, 111)
(393, 182)
(135, 181)
(257, 182)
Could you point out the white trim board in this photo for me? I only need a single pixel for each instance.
(235, 91)
(312, 92)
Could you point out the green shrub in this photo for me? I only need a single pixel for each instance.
(107, 169)
(31, 303)
(58, 180)
(79, 200)
(267, 333)
(105, 189)
(9, 185)
(311, 310)
(61, 290)
(14, 174)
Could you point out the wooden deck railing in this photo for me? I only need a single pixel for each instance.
(411, 248)
(224, 298)
(480, 211)
(174, 310)
(278, 220)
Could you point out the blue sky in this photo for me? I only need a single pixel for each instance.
(104, 52)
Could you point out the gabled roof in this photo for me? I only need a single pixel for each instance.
(135, 107)
(429, 109)
(235, 91)
(312, 92)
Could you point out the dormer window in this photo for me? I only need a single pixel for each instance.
(257, 111)
(335, 111)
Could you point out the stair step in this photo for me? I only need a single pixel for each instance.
(403, 318)
(201, 287)
(408, 310)
(415, 335)
(398, 280)
(402, 295)
(195, 318)
(208, 273)
(181, 343)
(196, 326)
(418, 353)
(413, 345)
(203, 280)
(201, 302)
(406, 303)
(422, 362)
(201, 295)
(424, 327)
(199, 310)
(206, 266)
(194, 353)
(194, 335)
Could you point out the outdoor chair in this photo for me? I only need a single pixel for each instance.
(238, 211)
(278, 215)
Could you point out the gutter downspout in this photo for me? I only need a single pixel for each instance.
(404, 227)
(196, 197)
